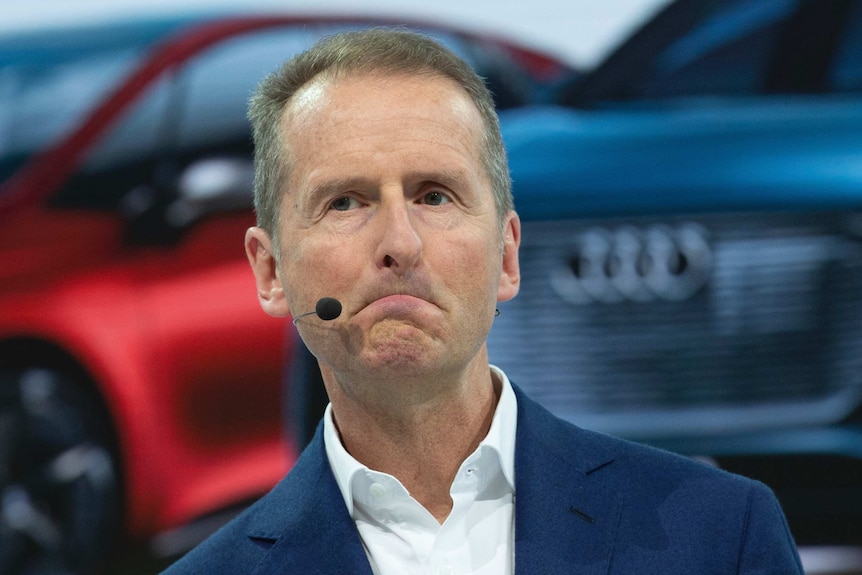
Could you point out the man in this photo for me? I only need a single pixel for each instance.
(382, 182)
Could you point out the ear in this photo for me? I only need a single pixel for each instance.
(270, 291)
(510, 275)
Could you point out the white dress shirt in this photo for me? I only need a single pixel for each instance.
(401, 537)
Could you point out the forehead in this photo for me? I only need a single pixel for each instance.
(376, 121)
(347, 106)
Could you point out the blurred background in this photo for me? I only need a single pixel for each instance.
(579, 32)
(688, 174)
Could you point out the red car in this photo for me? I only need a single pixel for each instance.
(140, 383)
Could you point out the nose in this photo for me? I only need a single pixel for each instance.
(400, 246)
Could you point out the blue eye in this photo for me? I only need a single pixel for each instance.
(343, 203)
(435, 198)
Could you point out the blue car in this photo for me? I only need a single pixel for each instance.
(692, 249)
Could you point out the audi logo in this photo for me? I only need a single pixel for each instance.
(658, 263)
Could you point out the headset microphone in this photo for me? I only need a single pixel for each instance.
(327, 309)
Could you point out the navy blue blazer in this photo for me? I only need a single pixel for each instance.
(585, 504)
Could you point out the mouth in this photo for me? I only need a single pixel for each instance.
(398, 305)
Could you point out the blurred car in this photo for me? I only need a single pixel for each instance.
(692, 249)
(140, 383)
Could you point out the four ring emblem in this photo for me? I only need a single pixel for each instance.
(628, 263)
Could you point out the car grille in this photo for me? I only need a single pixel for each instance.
(710, 324)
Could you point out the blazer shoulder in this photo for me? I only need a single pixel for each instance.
(672, 508)
(241, 544)
(614, 458)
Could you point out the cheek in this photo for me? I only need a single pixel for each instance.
(306, 266)
(330, 267)
(471, 266)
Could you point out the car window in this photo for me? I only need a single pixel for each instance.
(50, 79)
(193, 112)
(127, 154)
(41, 101)
(727, 54)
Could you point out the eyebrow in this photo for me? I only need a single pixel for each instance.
(335, 187)
(449, 178)
(453, 179)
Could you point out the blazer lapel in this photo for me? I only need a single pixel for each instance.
(307, 524)
(565, 519)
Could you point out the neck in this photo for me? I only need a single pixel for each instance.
(421, 441)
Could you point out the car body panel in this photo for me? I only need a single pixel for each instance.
(171, 381)
(780, 154)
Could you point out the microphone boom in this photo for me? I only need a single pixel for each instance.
(327, 309)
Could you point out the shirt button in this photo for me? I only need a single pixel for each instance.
(377, 490)
(446, 569)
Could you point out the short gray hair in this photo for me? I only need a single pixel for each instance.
(372, 50)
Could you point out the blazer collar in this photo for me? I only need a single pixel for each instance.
(306, 523)
(565, 518)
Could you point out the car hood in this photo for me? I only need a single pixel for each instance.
(789, 154)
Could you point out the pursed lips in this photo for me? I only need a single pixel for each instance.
(395, 304)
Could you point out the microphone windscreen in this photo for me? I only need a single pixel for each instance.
(328, 308)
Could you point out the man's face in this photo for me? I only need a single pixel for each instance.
(389, 210)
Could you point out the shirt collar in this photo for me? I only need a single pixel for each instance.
(500, 439)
